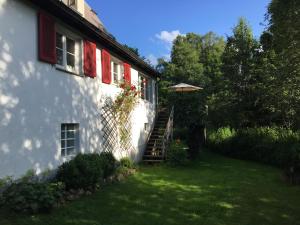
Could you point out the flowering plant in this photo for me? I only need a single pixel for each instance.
(123, 106)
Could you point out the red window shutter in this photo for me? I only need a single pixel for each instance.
(127, 73)
(106, 70)
(89, 65)
(47, 38)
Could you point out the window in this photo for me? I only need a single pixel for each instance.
(117, 71)
(72, 3)
(66, 53)
(150, 91)
(142, 86)
(146, 88)
(69, 139)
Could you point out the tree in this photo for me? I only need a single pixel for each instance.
(284, 26)
(196, 60)
(239, 80)
(132, 49)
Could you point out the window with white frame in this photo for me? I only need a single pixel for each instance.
(66, 54)
(72, 3)
(117, 72)
(142, 86)
(146, 88)
(69, 139)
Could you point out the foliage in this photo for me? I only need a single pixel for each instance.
(132, 49)
(247, 82)
(195, 59)
(275, 146)
(177, 153)
(123, 106)
(284, 28)
(126, 162)
(32, 197)
(5, 181)
(108, 163)
(84, 171)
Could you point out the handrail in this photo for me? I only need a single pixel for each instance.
(168, 134)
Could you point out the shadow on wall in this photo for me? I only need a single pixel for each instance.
(35, 99)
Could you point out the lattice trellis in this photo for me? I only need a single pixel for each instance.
(112, 132)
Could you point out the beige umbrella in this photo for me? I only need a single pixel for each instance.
(182, 87)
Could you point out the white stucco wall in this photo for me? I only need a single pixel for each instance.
(35, 98)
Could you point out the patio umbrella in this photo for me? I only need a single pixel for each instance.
(182, 87)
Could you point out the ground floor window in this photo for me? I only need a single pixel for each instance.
(69, 139)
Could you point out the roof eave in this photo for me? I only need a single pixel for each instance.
(72, 18)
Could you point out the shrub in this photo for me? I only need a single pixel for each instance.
(84, 171)
(274, 146)
(126, 162)
(177, 154)
(108, 163)
(32, 197)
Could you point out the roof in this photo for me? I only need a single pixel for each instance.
(73, 19)
(92, 17)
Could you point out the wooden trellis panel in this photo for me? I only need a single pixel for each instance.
(111, 132)
(109, 129)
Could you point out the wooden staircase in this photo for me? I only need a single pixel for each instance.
(160, 137)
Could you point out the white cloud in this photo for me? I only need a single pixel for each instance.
(152, 59)
(168, 36)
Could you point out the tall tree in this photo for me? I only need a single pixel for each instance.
(239, 79)
(284, 26)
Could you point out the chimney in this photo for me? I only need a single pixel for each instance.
(80, 7)
(77, 5)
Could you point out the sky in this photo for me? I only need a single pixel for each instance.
(152, 25)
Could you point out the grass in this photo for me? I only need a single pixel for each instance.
(212, 191)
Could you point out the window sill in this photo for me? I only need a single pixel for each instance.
(63, 69)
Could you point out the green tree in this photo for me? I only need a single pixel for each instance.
(284, 26)
(239, 78)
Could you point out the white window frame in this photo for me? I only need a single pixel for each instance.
(120, 71)
(148, 88)
(72, 5)
(113, 72)
(77, 70)
(64, 139)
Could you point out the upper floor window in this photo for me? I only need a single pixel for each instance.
(66, 54)
(72, 3)
(146, 88)
(117, 72)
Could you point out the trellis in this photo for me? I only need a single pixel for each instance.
(112, 132)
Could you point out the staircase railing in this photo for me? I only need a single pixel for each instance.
(168, 134)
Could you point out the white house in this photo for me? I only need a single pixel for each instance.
(58, 68)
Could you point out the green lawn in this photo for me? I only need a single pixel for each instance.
(213, 191)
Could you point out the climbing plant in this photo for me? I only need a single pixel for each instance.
(122, 108)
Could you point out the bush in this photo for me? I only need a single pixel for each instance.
(84, 171)
(177, 154)
(32, 197)
(108, 163)
(274, 146)
(127, 163)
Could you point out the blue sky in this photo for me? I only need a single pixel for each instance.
(151, 25)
